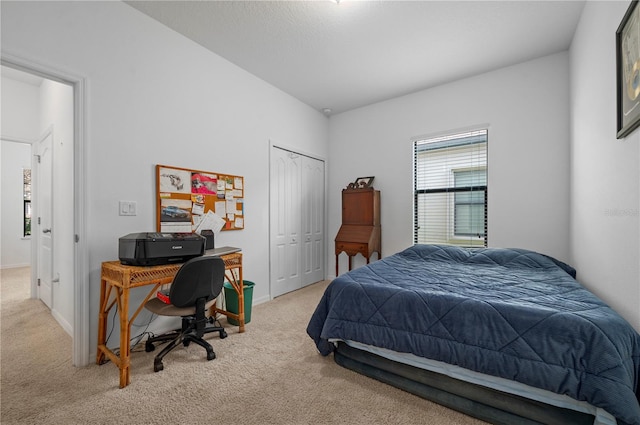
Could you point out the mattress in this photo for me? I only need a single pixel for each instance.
(600, 416)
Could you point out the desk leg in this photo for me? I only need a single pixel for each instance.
(237, 283)
(241, 306)
(125, 349)
(241, 300)
(102, 322)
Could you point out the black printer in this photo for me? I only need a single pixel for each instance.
(153, 248)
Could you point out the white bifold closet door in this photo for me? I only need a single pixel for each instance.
(296, 221)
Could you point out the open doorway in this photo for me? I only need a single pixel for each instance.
(36, 106)
(43, 111)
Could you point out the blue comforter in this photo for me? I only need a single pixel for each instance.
(511, 313)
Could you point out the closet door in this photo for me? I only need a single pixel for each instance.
(285, 222)
(297, 221)
(312, 220)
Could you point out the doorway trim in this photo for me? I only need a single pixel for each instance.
(80, 342)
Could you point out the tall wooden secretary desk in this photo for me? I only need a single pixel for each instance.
(360, 229)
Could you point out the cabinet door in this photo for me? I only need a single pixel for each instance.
(357, 207)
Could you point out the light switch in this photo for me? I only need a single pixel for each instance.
(128, 208)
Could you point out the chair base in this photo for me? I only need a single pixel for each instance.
(189, 333)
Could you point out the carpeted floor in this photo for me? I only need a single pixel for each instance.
(271, 374)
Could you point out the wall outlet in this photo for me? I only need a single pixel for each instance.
(128, 208)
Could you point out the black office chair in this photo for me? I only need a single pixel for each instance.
(194, 289)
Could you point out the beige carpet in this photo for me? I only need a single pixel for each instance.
(271, 374)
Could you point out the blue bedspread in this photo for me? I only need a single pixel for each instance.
(511, 313)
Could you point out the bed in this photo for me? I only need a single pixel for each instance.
(505, 335)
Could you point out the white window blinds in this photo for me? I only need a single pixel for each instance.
(450, 189)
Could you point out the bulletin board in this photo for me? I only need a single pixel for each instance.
(193, 200)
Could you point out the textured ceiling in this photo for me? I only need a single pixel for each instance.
(354, 53)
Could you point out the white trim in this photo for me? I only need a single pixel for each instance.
(469, 129)
(62, 322)
(16, 140)
(81, 279)
(14, 266)
(80, 337)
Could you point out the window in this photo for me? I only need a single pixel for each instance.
(469, 205)
(450, 190)
(26, 195)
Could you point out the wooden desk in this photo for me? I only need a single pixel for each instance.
(116, 282)
(360, 229)
(355, 240)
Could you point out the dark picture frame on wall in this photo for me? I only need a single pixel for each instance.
(628, 71)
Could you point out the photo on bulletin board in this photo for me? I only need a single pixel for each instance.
(194, 200)
(172, 180)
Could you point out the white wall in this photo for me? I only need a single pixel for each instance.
(19, 102)
(154, 97)
(16, 249)
(526, 108)
(19, 119)
(605, 177)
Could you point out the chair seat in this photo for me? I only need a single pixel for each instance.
(163, 309)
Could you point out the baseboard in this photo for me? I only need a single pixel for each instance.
(15, 266)
(63, 323)
(261, 300)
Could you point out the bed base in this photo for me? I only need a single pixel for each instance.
(484, 403)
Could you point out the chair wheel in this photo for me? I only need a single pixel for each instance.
(149, 347)
(211, 355)
(157, 367)
(186, 342)
(223, 334)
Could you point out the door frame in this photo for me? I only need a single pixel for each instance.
(81, 319)
(274, 144)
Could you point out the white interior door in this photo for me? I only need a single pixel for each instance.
(297, 221)
(285, 222)
(312, 220)
(44, 230)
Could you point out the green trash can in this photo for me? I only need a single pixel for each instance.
(231, 300)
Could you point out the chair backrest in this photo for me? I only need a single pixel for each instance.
(200, 277)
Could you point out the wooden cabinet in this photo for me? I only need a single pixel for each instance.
(360, 230)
